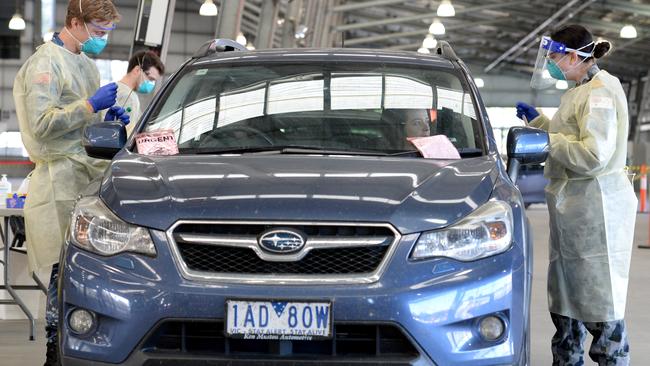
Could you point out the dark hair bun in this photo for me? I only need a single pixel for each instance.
(602, 48)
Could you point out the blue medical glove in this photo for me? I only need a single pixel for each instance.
(104, 97)
(115, 113)
(527, 110)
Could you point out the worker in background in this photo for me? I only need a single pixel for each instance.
(57, 94)
(591, 201)
(145, 69)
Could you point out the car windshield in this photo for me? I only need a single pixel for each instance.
(353, 108)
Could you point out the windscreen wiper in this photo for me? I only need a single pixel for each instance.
(280, 149)
(467, 152)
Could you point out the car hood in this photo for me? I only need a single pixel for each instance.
(410, 193)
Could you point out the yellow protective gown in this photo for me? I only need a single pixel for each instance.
(591, 202)
(50, 93)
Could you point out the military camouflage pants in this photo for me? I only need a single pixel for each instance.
(609, 347)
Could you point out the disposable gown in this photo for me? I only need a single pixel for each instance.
(591, 202)
(127, 98)
(50, 93)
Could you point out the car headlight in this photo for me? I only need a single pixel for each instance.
(485, 232)
(95, 228)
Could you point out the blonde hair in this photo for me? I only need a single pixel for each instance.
(92, 10)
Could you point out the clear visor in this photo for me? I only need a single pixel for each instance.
(542, 78)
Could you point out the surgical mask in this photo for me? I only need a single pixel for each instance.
(94, 45)
(146, 87)
(548, 69)
(555, 71)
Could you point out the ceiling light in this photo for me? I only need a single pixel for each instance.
(301, 32)
(208, 9)
(446, 9)
(628, 31)
(479, 82)
(424, 50)
(48, 36)
(562, 85)
(437, 28)
(17, 22)
(429, 42)
(241, 39)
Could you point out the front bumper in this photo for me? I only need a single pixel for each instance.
(436, 303)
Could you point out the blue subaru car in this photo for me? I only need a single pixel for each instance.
(303, 207)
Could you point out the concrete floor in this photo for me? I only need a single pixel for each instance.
(16, 350)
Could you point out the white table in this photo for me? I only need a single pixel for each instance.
(6, 283)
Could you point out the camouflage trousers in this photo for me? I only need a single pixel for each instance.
(52, 318)
(609, 347)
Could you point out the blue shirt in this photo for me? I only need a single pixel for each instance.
(57, 40)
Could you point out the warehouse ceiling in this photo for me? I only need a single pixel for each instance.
(501, 34)
(494, 36)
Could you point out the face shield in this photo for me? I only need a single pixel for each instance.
(547, 72)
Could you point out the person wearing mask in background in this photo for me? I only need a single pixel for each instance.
(57, 94)
(145, 69)
(591, 201)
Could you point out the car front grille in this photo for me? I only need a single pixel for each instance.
(369, 343)
(243, 260)
(231, 249)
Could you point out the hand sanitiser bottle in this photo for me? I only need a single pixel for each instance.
(5, 189)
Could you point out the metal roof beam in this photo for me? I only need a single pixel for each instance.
(530, 35)
(563, 21)
(421, 32)
(627, 7)
(366, 4)
(411, 18)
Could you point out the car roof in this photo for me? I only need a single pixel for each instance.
(327, 54)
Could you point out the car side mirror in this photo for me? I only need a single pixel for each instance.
(526, 145)
(104, 140)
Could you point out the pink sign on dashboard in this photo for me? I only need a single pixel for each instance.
(435, 147)
(160, 142)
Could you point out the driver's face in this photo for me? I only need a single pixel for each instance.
(417, 123)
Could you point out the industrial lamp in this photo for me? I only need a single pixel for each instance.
(562, 85)
(208, 9)
(437, 28)
(429, 42)
(446, 9)
(17, 22)
(628, 31)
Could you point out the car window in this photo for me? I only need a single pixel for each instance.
(342, 106)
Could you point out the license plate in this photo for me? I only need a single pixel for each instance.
(278, 320)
